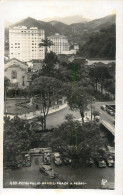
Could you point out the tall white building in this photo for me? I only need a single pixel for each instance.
(24, 43)
(60, 43)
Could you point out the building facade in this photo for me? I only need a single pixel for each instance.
(60, 44)
(24, 43)
(17, 72)
(76, 46)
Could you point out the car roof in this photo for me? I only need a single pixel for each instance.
(46, 166)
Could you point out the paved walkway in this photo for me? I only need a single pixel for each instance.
(37, 113)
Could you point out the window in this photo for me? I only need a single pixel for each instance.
(14, 74)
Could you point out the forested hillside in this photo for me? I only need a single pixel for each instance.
(101, 44)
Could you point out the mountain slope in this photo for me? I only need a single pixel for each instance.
(68, 19)
(76, 33)
(54, 26)
(31, 22)
(101, 44)
(102, 22)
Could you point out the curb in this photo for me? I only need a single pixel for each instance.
(35, 116)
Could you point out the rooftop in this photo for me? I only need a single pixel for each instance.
(58, 36)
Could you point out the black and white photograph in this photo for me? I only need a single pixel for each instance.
(59, 94)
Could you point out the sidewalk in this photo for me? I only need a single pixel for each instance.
(35, 114)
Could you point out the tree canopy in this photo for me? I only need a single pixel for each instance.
(48, 90)
(77, 97)
(101, 44)
(17, 137)
(82, 141)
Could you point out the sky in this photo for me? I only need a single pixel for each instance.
(14, 11)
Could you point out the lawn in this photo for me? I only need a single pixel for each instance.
(13, 107)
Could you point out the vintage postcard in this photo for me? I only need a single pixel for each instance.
(61, 71)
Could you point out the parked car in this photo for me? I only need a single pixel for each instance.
(67, 160)
(111, 113)
(27, 157)
(86, 119)
(103, 107)
(47, 170)
(46, 159)
(90, 161)
(108, 110)
(27, 163)
(109, 161)
(100, 162)
(57, 159)
(12, 165)
(110, 150)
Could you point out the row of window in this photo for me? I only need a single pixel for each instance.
(30, 31)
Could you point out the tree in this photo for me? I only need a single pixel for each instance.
(79, 141)
(95, 113)
(48, 89)
(51, 58)
(48, 68)
(46, 43)
(77, 98)
(6, 85)
(17, 136)
(99, 75)
(100, 44)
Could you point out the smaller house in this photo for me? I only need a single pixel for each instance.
(81, 60)
(37, 64)
(76, 47)
(16, 71)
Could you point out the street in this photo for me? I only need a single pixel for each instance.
(58, 118)
(92, 176)
(31, 176)
(103, 114)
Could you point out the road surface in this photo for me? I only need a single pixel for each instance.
(103, 114)
(92, 176)
(57, 118)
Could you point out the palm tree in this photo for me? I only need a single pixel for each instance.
(46, 43)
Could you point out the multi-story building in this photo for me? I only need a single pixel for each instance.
(24, 43)
(60, 43)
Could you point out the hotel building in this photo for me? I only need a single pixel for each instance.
(60, 43)
(24, 43)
